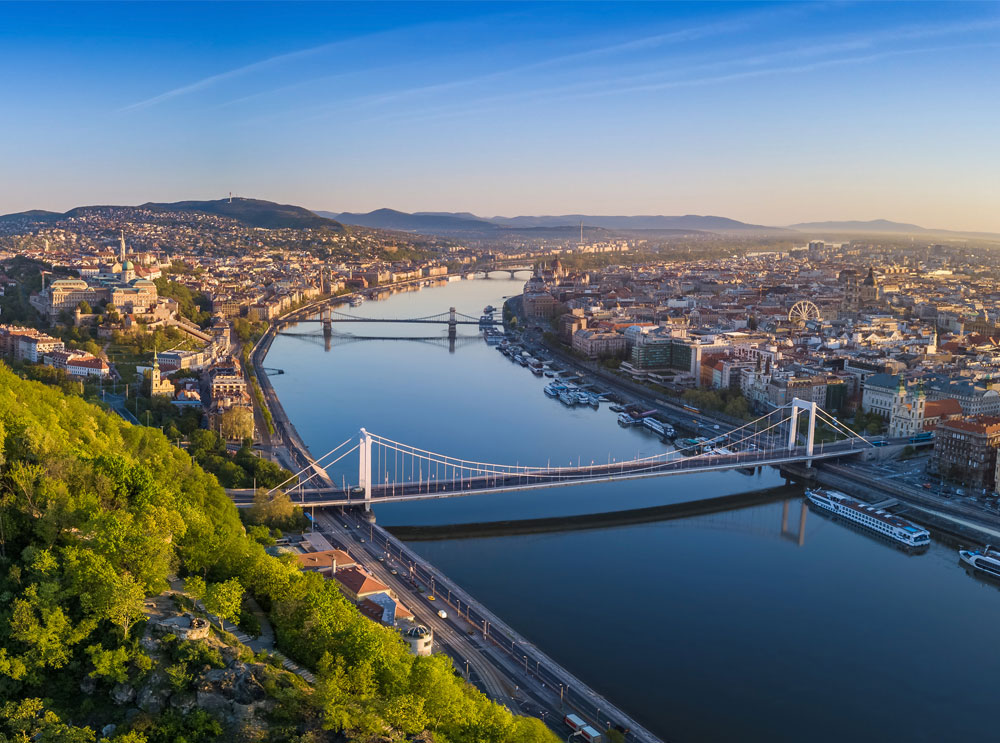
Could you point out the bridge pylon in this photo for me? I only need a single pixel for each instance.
(793, 426)
(327, 319)
(452, 324)
(365, 467)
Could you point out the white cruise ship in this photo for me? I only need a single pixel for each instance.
(986, 560)
(894, 527)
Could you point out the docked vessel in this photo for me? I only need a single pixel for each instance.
(356, 300)
(567, 397)
(553, 389)
(659, 427)
(875, 519)
(986, 560)
(624, 419)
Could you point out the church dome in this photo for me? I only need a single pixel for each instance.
(870, 278)
(128, 266)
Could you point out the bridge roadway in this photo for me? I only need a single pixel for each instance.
(415, 321)
(561, 477)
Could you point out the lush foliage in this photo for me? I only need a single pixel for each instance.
(194, 306)
(95, 515)
(244, 469)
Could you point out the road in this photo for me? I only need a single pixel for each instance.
(505, 666)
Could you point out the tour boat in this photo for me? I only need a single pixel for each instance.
(553, 389)
(986, 560)
(356, 300)
(654, 425)
(624, 419)
(875, 519)
(567, 397)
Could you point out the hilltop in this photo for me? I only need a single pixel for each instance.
(563, 226)
(254, 213)
(248, 212)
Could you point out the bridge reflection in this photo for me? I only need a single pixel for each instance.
(739, 512)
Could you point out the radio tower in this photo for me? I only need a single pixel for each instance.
(581, 232)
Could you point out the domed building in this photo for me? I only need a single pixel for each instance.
(128, 271)
(420, 639)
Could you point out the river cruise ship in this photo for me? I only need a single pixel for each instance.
(986, 560)
(875, 519)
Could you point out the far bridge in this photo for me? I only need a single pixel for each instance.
(391, 471)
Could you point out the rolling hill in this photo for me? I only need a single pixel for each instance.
(254, 212)
(564, 225)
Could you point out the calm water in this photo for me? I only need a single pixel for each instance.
(710, 628)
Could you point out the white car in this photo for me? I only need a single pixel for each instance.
(442, 613)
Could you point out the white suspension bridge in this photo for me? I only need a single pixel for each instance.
(390, 470)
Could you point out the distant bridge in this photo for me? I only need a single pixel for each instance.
(392, 471)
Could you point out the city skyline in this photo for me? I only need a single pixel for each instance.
(769, 114)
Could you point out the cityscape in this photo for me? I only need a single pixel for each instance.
(288, 455)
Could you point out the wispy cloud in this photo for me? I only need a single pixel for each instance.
(578, 92)
(286, 58)
(211, 80)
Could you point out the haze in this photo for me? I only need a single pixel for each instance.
(770, 114)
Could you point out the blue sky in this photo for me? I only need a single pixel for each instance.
(768, 113)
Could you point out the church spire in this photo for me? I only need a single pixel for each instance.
(122, 247)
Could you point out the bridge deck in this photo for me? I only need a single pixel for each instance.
(539, 479)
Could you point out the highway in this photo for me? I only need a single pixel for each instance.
(505, 666)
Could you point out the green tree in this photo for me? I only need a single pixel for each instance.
(224, 599)
(236, 423)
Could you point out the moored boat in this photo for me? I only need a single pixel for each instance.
(894, 527)
(986, 560)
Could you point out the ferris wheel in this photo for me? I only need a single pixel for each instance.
(803, 311)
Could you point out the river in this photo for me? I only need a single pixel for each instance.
(716, 627)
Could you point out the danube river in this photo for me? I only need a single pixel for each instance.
(717, 627)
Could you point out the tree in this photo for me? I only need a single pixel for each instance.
(224, 599)
(84, 308)
(127, 602)
(236, 423)
(272, 511)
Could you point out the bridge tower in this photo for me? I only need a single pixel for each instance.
(793, 426)
(365, 467)
(452, 324)
(327, 326)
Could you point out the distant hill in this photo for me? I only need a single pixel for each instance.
(255, 213)
(425, 222)
(873, 225)
(467, 223)
(642, 222)
(251, 212)
(32, 215)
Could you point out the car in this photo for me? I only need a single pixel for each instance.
(381, 558)
(394, 571)
(430, 598)
(442, 613)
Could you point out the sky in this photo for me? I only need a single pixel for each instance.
(767, 113)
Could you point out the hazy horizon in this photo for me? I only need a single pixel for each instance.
(770, 114)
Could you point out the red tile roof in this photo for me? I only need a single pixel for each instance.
(359, 582)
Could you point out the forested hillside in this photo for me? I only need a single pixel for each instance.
(97, 517)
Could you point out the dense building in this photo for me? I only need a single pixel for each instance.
(965, 450)
(597, 344)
